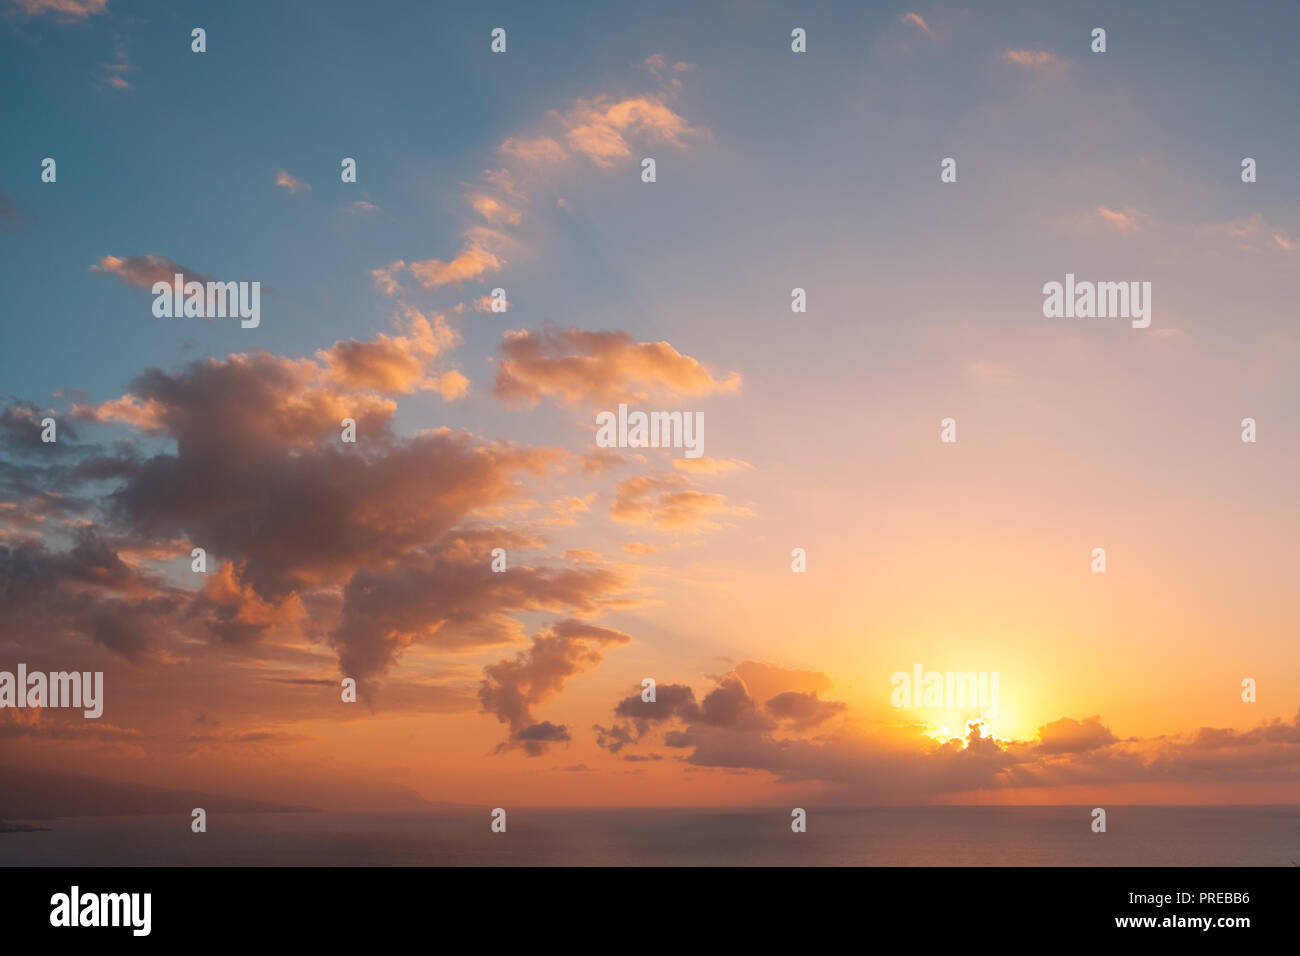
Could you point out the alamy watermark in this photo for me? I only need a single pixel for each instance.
(208, 300)
(949, 689)
(651, 430)
(74, 908)
(75, 689)
(1098, 300)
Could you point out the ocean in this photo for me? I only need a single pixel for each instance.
(894, 836)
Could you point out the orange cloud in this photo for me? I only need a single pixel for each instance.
(290, 183)
(597, 128)
(1072, 736)
(236, 614)
(145, 416)
(541, 149)
(573, 365)
(710, 466)
(386, 276)
(494, 210)
(916, 20)
(1123, 221)
(1250, 233)
(670, 503)
(398, 364)
(146, 270)
(67, 9)
(472, 262)
(1032, 59)
(746, 721)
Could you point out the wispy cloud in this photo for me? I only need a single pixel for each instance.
(115, 73)
(573, 365)
(1123, 220)
(541, 149)
(1031, 59)
(916, 20)
(671, 502)
(1252, 233)
(290, 182)
(146, 270)
(11, 217)
(600, 128)
(64, 9)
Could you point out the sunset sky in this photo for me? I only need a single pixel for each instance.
(775, 170)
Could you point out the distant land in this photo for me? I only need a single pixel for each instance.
(41, 795)
(34, 794)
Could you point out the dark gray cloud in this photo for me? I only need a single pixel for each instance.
(512, 688)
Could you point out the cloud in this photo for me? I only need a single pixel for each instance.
(11, 217)
(41, 723)
(711, 466)
(534, 738)
(1073, 736)
(146, 270)
(766, 680)
(1252, 233)
(475, 260)
(1124, 221)
(88, 589)
(597, 460)
(29, 570)
(671, 503)
(541, 149)
(258, 473)
(115, 73)
(20, 429)
(599, 128)
(145, 416)
(367, 548)
(484, 303)
(235, 614)
(997, 374)
(494, 210)
(449, 596)
(916, 20)
(137, 630)
(386, 277)
(902, 761)
(672, 702)
(733, 703)
(64, 9)
(290, 183)
(804, 710)
(572, 365)
(1031, 59)
(669, 76)
(399, 364)
(511, 688)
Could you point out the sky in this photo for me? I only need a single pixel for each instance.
(775, 170)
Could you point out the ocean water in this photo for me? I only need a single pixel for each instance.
(929, 836)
